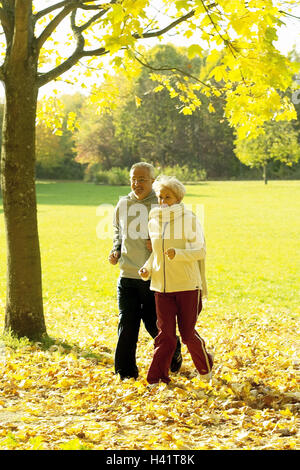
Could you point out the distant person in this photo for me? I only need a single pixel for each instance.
(176, 268)
(135, 299)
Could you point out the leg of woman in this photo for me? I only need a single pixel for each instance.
(149, 317)
(165, 342)
(189, 306)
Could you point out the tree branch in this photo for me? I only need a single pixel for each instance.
(92, 20)
(65, 3)
(171, 68)
(68, 64)
(1, 73)
(7, 25)
(59, 70)
(48, 10)
(52, 25)
(22, 33)
(225, 41)
(74, 58)
(95, 52)
(80, 52)
(289, 14)
(4, 19)
(69, 7)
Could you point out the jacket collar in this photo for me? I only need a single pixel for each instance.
(150, 198)
(168, 213)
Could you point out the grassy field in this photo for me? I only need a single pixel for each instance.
(250, 321)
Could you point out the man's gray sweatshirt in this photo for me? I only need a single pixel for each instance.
(131, 232)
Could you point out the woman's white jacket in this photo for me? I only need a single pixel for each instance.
(176, 227)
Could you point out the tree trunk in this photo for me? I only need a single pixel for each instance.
(265, 173)
(24, 307)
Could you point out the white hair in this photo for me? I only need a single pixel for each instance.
(146, 166)
(170, 182)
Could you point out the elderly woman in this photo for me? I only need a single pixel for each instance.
(176, 268)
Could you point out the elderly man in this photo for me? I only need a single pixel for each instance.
(130, 248)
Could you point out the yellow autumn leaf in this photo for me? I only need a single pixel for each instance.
(65, 383)
(138, 101)
(287, 412)
(186, 110)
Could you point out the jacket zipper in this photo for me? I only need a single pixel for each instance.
(163, 252)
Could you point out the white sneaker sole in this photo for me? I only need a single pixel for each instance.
(206, 377)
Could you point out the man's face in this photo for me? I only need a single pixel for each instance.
(141, 183)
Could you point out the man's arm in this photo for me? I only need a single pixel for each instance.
(146, 270)
(115, 253)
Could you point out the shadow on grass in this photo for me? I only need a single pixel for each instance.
(79, 193)
(50, 344)
(259, 395)
(85, 194)
(197, 195)
(53, 193)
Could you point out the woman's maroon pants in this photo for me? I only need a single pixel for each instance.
(185, 306)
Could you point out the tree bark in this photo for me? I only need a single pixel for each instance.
(24, 307)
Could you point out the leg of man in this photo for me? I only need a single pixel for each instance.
(189, 306)
(128, 328)
(165, 342)
(148, 309)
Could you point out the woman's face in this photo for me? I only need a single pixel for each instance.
(167, 197)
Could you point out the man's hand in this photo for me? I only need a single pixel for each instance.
(143, 272)
(170, 253)
(149, 244)
(114, 257)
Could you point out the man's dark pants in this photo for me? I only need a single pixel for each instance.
(136, 302)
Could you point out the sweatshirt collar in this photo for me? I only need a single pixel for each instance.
(146, 199)
(167, 213)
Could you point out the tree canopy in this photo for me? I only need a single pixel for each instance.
(242, 64)
(146, 122)
(279, 142)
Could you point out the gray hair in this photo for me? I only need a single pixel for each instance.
(146, 166)
(170, 182)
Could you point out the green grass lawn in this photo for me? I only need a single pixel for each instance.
(252, 233)
(250, 321)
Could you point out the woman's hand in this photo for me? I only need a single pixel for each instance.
(170, 253)
(143, 272)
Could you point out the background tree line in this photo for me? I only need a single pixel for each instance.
(146, 122)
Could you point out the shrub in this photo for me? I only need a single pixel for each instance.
(117, 176)
(114, 177)
(101, 177)
(183, 173)
(90, 172)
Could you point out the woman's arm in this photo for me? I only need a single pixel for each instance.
(195, 241)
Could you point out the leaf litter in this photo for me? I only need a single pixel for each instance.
(66, 396)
